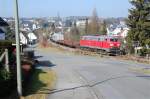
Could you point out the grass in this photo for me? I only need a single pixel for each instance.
(41, 84)
(146, 71)
(141, 70)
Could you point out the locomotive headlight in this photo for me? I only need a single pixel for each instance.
(111, 44)
(118, 44)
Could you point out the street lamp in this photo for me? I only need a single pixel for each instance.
(19, 78)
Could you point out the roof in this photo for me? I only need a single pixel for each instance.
(25, 34)
(32, 36)
(1, 31)
(3, 23)
(96, 37)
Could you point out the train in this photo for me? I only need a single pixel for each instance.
(110, 44)
(59, 38)
(103, 43)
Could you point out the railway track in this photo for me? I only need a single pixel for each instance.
(82, 51)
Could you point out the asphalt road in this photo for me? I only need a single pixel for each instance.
(87, 77)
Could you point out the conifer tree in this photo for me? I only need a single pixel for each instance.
(139, 23)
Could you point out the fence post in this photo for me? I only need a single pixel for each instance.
(6, 60)
(2, 56)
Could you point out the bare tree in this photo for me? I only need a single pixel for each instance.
(73, 34)
(104, 28)
(94, 25)
(43, 35)
(53, 27)
(86, 26)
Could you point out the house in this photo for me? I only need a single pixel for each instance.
(120, 31)
(82, 23)
(67, 23)
(3, 28)
(32, 38)
(2, 35)
(34, 27)
(3, 23)
(26, 25)
(124, 32)
(24, 38)
(27, 38)
(58, 36)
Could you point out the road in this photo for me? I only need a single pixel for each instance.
(88, 77)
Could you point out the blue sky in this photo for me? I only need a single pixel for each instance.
(45, 8)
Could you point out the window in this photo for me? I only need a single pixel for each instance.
(113, 39)
(101, 39)
(83, 38)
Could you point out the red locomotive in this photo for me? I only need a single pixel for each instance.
(105, 43)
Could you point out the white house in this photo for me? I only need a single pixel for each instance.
(82, 22)
(124, 32)
(58, 36)
(119, 31)
(34, 26)
(23, 38)
(32, 37)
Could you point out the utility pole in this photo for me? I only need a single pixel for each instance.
(19, 78)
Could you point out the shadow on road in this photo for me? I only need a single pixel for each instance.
(45, 63)
(36, 57)
(35, 83)
(48, 91)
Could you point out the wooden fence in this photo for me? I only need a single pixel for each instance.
(5, 56)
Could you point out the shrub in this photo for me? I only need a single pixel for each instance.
(6, 83)
(6, 43)
(144, 51)
(4, 75)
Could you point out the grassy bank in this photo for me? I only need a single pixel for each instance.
(41, 84)
(145, 71)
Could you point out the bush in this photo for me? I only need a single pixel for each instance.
(4, 75)
(6, 82)
(6, 43)
(144, 52)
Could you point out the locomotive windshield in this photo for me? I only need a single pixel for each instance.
(114, 40)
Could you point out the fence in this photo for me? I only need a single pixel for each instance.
(5, 55)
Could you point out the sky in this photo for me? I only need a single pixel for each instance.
(48, 8)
